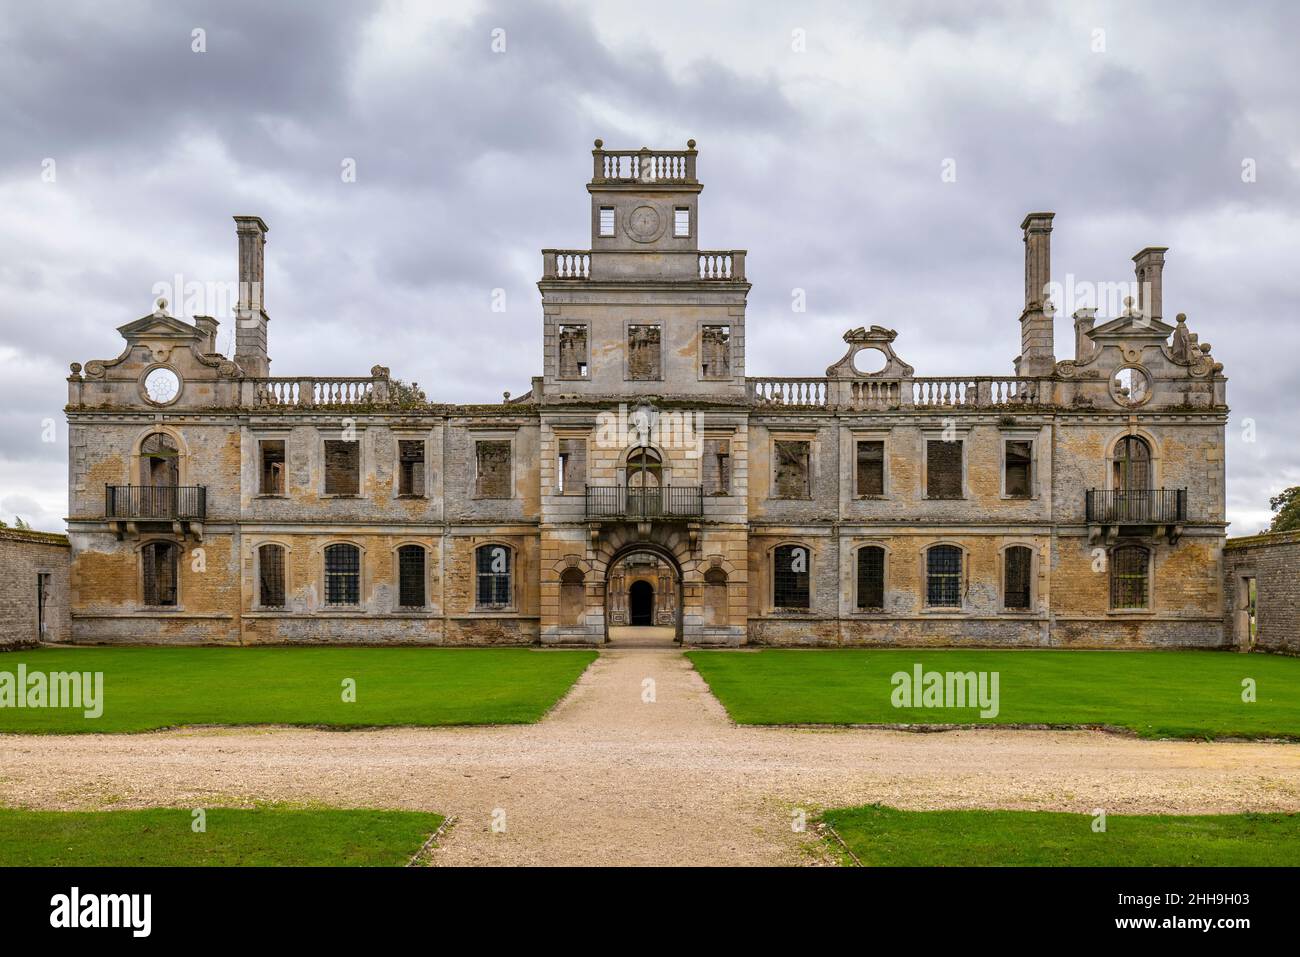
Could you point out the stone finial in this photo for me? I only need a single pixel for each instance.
(76, 368)
(160, 308)
(600, 144)
(690, 144)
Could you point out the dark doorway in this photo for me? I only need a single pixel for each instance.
(641, 604)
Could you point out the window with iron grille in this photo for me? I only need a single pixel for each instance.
(273, 467)
(492, 459)
(716, 467)
(643, 352)
(492, 564)
(342, 575)
(270, 576)
(1019, 468)
(1017, 587)
(790, 577)
(871, 468)
(1129, 574)
(871, 578)
(573, 351)
(342, 467)
(410, 576)
(943, 576)
(792, 473)
(410, 467)
(160, 567)
(943, 469)
(715, 352)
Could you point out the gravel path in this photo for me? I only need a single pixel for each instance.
(609, 778)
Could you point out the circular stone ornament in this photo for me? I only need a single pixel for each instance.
(644, 224)
(1130, 386)
(161, 385)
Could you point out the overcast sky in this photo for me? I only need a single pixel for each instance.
(823, 135)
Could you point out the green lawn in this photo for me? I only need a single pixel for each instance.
(887, 837)
(258, 837)
(148, 688)
(1155, 693)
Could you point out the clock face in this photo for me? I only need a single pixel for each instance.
(644, 224)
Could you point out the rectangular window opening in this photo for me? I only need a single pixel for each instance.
(410, 473)
(1019, 468)
(871, 468)
(943, 469)
(342, 467)
(272, 466)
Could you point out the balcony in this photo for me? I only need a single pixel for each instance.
(184, 507)
(617, 503)
(1158, 511)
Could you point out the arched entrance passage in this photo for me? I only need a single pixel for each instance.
(643, 595)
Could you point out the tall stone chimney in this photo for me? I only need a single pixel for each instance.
(1037, 350)
(250, 315)
(1150, 266)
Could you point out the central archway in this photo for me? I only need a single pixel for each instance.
(643, 595)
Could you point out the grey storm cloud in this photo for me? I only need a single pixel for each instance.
(822, 132)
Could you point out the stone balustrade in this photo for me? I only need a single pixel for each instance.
(643, 165)
(964, 392)
(315, 392)
(566, 263)
(722, 265)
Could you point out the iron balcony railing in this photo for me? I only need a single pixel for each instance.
(1151, 506)
(160, 502)
(645, 504)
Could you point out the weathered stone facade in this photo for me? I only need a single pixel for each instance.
(33, 588)
(1261, 587)
(1077, 503)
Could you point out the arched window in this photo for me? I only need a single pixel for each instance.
(159, 460)
(943, 576)
(342, 574)
(573, 596)
(644, 469)
(790, 591)
(159, 570)
(715, 597)
(871, 578)
(1017, 581)
(270, 576)
(1129, 577)
(410, 576)
(1132, 464)
(492, 566)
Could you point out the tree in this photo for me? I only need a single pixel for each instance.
(1287, 507)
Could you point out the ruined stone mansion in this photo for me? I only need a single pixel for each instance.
(645, 479)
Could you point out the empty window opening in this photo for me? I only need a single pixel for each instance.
(410, 470)
(270, 576)
(342, 467)
(871, 468)
(573, 351)
(342, 575)
(1018, 586)
(1019, 469)
(943, 581)
(715, 352)
(410, 576)
(792, 478)
(790, 584)
(716, 467)
(493, 469)
(871, 578)
(607, 220)
(682, 221)
(644, 359)
(159, 461)
(571, 470)
(160, 567)
(273, 467)
(943, 469)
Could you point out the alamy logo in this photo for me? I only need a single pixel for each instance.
(75, 909)
(56, 689)
(951, 689)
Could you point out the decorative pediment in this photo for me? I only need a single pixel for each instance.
(886, 364)
(159, 325)
(1132, 325)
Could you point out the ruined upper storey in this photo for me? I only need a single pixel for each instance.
(644, 313)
